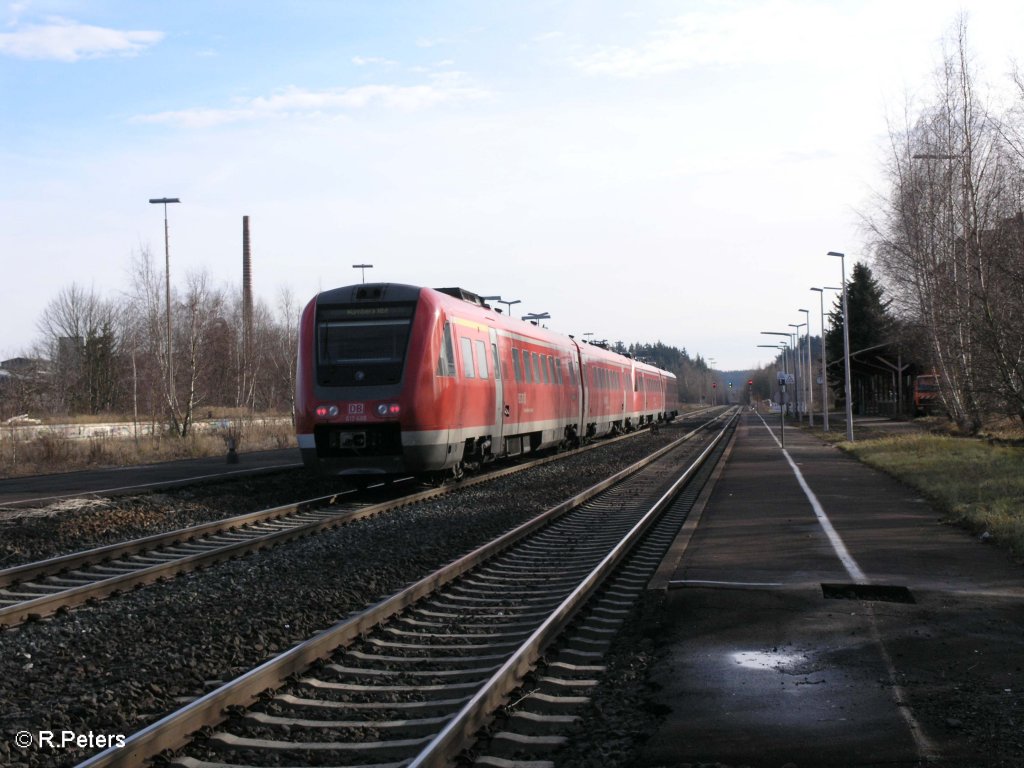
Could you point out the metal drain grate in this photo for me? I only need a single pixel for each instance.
(878, 593)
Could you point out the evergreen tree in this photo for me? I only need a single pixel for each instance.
(870, 322)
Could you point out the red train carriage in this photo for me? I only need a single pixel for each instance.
(397, 379)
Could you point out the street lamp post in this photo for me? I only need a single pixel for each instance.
(824, 385)
(846, 348)
(363, 268)
(165, 201)
(509, 304)
(808, 388)
(714, 384)
(782, 390)
(534, 316)
(788, 336)
(799, 368)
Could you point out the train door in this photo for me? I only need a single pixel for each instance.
(579, 398)
(446, 403)
(501, 408)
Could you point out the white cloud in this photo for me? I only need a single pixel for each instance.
(733, 34)
(299, 102)
(365, 61)
(433, 42)
(65, 40)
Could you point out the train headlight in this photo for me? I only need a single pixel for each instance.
(389, 409)
(326, 410)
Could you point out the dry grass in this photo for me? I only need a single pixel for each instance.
(50, 453)
(978, 483)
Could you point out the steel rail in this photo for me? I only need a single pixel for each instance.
(54, 565)
(461, 729)
(140, 575)
(173, 731)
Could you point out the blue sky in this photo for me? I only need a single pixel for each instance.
(641, 170)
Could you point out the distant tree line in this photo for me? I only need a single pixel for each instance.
(947, 237)
(692, 374)
(101, 355)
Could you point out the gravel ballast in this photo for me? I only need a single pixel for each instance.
(112, 668)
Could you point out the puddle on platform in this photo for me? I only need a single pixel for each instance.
(767, 659)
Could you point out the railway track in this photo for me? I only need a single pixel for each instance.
(411, 680)
(35, 590)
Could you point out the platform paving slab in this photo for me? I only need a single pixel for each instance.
(761, 668)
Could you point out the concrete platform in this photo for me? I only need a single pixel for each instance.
(763, 669)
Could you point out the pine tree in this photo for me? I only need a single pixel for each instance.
(870, 322)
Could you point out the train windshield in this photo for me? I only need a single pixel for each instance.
(362, 346)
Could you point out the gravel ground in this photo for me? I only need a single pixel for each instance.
(117, 666)
(72, 525)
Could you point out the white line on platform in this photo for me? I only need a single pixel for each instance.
(854, 571)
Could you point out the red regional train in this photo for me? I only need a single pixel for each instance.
(395, 379)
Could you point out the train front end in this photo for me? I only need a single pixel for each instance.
(354, 355)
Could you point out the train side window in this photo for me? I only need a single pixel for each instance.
(497, 361)
(517, 367)
(526, 366)
(481, 359)
(446, 358)
(536, 367)
(544, 369)
(558, 371)
(551, 367)
(467, 357)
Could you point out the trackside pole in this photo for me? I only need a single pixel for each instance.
(782, 409)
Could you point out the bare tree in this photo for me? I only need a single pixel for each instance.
(147, 307)
(199, 322)
(938, 241)
(81, 337)
(196, 322)
(285, 348)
